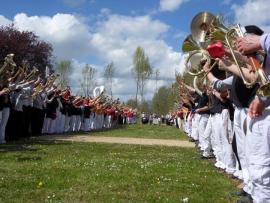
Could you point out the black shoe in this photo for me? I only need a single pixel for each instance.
(206, 157)
(191, 140)
(245, 199)
(239, 193)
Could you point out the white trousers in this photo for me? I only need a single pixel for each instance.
(202, 126)
(195, 126)
(62, 123)
(207, 137)
(86, 124)
(58, 122)
(227, 131)
(240, 115)
(93, 120)
(258, 157)
(3, 124)
(75, 123)
(67, 123)
(48, 126)
(218, 139)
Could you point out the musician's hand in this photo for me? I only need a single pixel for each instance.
(256, 108)
(248, 44)
(206, 67)
(3, 92)
(223, 64)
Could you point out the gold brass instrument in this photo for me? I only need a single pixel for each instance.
(181, 86)
(8, 64)
(190, 44)
(32, 74)
(198, 83)
(51, 79)
(193, 61)
(205, 28)
(38, 89)
(200, 27)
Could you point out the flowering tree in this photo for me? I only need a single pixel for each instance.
(26, 46)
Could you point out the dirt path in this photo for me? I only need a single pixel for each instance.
(120, 140)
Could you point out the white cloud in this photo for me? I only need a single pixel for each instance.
(170, 5)
(4, 21)
(253, 12)
(68, 34)
(112, 38)
(117, 37)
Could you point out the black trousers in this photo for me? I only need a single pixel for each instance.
(37, 119)
(234, 147)
(14, 125)
(27, 114)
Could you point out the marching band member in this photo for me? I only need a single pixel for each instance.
(86, 115)
(52, 104)
(38, 113)
(258, 132)
(3, 95)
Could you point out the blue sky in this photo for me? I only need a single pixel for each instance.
(97, 32)
(179, 20)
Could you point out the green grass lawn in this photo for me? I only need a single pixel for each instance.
(143, 131)
(88, 172)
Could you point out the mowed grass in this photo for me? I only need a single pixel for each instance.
(143, 131)
(87, 172)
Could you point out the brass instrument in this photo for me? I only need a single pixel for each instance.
(51, 79)
(8, 64)
(193, 62)
(205, 28)
(190, 44)
(200, 27)
(32, 74)
(38, 89)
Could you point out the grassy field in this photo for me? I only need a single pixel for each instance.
(49, 171)
(144, 131)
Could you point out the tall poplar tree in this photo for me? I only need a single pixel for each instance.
(88, 75)
(109, 72)
(64, 69)
(142, 70)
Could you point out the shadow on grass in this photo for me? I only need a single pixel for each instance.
(27, 145)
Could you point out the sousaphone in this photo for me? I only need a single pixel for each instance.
(200, 25)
